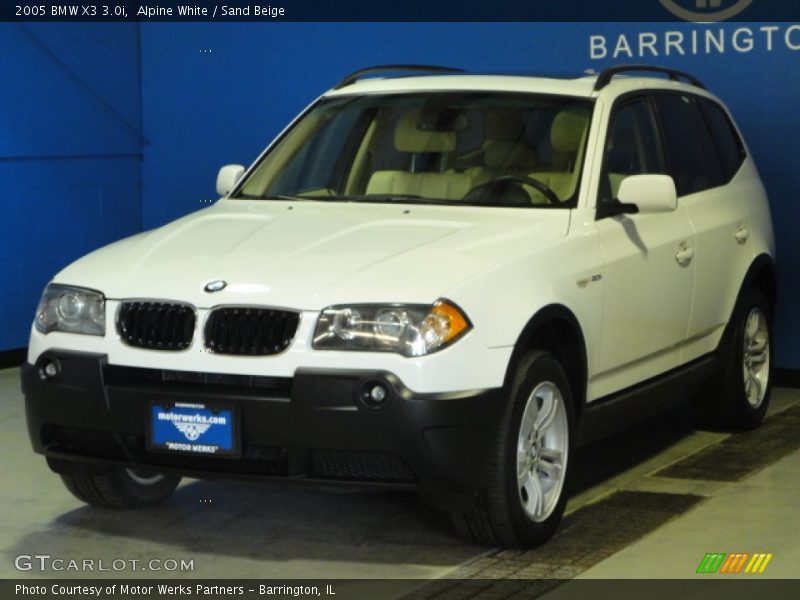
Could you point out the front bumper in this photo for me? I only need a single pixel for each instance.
(313, 427)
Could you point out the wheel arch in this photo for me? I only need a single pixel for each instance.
(763, 276)
(556, 329)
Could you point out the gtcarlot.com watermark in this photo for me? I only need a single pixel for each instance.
(57, 564)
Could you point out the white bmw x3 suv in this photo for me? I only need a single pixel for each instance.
(442, 282)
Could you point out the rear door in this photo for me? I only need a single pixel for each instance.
(705, 155)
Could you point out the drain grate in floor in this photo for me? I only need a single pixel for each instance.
(586, 537)
(742, 454)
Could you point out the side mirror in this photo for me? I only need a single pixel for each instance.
(228, 177)
(649, 193)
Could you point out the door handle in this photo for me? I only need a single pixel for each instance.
(685, 255)
(741, 235)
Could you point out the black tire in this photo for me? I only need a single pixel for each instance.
(121, 488)
(727, 406)
(500, 517)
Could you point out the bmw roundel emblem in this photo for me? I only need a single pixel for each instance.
(215, 286)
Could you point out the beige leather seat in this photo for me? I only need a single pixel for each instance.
(451, 186)
(411, 139)
(505, 150)
(568, 140)
(507, 158)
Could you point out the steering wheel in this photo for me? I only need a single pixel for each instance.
(508, 191)
(548, 193)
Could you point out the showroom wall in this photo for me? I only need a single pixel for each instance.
(78, 172)
(215, 94)
(70, 154)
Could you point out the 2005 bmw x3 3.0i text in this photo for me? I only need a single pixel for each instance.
(442, 282)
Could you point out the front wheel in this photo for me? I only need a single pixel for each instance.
(525, 497)
(121, 488)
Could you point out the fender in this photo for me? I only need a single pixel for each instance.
(556, 329)
(763, 273)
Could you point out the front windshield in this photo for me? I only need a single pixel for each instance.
(450, 148)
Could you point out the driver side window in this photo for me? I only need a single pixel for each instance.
(632, 147)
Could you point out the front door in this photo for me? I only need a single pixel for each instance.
(648, 269)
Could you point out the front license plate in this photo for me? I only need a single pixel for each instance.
(192, 429)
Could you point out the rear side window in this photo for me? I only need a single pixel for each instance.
(728, 143)
(692, 155)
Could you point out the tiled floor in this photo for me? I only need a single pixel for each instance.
(758, 514)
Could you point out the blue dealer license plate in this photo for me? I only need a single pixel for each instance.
(192, 429)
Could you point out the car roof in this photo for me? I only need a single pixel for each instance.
(586, 85)
(582, 87)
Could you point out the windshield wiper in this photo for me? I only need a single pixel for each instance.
(371, 198)
(291, 197)
(391, 198)
(277, 197)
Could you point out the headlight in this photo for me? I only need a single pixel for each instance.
(71, 309)
(410, 330)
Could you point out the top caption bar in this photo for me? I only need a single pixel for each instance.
(408, 10)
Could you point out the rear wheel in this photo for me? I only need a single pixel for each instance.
(741, 397)
(121, 488)
(526, 494)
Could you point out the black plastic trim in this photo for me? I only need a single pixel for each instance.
(92, 413)
(619, 411)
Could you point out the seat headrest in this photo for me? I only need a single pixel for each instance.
(408, 137)
(510, 155)
(568, 129)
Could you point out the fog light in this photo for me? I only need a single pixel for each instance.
(49, 370)
(375, 394)
(378, 394)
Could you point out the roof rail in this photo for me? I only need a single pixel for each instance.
(607, 75)
(353, 77)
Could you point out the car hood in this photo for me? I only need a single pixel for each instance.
(308, 255)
